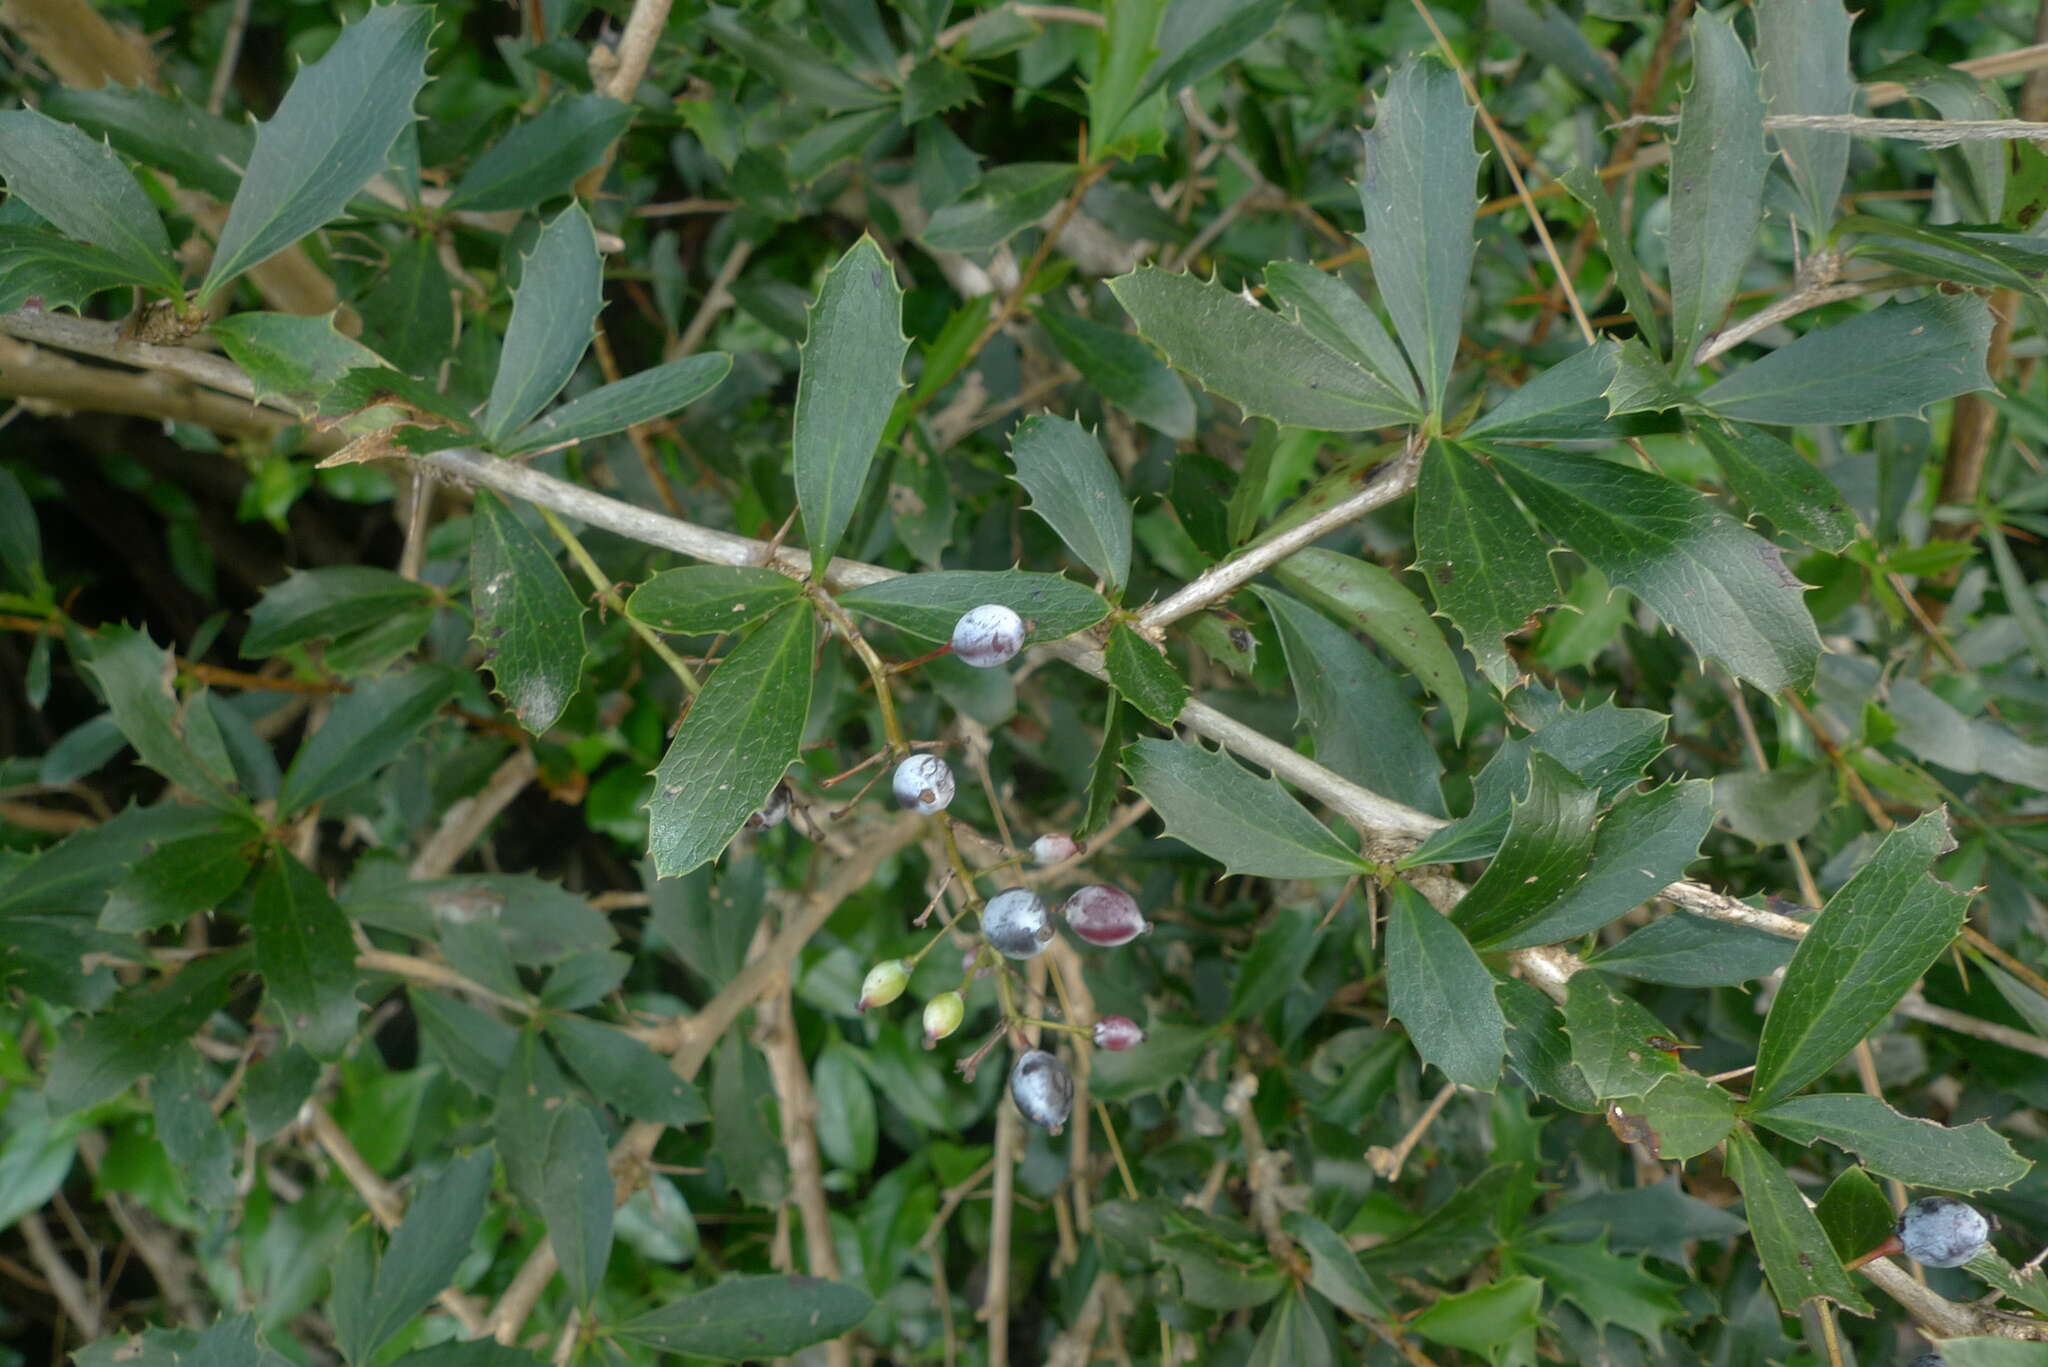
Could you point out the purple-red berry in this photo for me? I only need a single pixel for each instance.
(1017, 923)
(1105, 916)
(1118, 1033)
(988, 636)
(942, 1016)
(1940, 1231)
(884, 983)
(1054, 849)
(1043, 1090)
(923, 783)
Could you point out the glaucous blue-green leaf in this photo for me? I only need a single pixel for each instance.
(181, 1093)
(178, 878)
(1440, 991)
(333, 130)
(749, 1318)
(1267, 366)
(83, 189)
(1691, 951)
(1802, 50)
(1567, 402)
(1487, 568)
(1608, 1288)
(1552, 35)
(1363, 725)
(1145, 677)
(790, 64)
(306, 954)
(642, 398)
(1583, 183)
(134, 675)
(420, 1262)
(576, 1199)
(702, 600)
(98, 1056)
(1544, 856)
(291, 358)
(1245, 823)
(201, 151)
(1891, 361)
(624, 1073)
(1124, 371)
(62, 273)
(1644, 844)
(1498, 1320)
(311, 605)
(541, 157)
(1419, 193)
(1358, 593)
(1718, 166)
(560, 291)
(930, 605)
(1868, 946)
(740, 734)
(1773, 479)
(1641, 383)
(1002, 204)
(1798, 1259)
(1617, 1044)
(1075, 489)
(409, 314)
(527, 618)
(1334, 314)
(1920, 1153)
(1197, 37)
(365, 731)
(1719, 585)
(851, 373)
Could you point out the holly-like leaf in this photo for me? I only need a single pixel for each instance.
(1363, 725)
(1715, 582)
(1002, 204)
(1440, 991)
(291, 358)
(528, 619)
(333, 130)
(1718, 165)
(1609, 1288)
(851, 373)
(1485, 566)
(1687, 1115)
(642, 398)
(1802, 47)
(541, 157)
(1548, 844)
(1247, 824)
(559, 294)
(1872, 941)
(177, 738)
(625, 1074)
(312, 605)
(83, 189)
(1691, 951)
(429, 1244)
(306, 954)
(1146, 678)
(576, 1199)
(1583, 183)
(1797, 1257)
(181, 1093)
(1498, 1320)
(1075, 489)
(1920, 1153)
(1644, 844)
(740, 734)
(1891, 361)
(61, 273)
(1420, 170)
(97, 1057)
(364, 732)
(179, 878)
(1621, 1048)
(1334, 314)
(702, 600)
(1773, 479)
(929, 606)
(1540, 1051)
(1253, 357)
(1358, 593)
(1334, 1267)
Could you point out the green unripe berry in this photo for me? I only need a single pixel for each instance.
(884, 983)
(942, 1016)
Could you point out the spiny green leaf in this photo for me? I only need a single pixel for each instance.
(931, 605)
(1359, 593)
(1438, 989)
(541, 157)
(1644, 844)
(1802, 47)
(559, 294)
(176, 738)
(1548, 844)
(1146, 678)
(528, 619)
(1124, 371)
(1797, 1257)
(701, 600)
(1247, 824)
(851, 373)
(1333, 313)
(613, 408)
(1075, 489)
(1488, 571)
(1621, 1048)
(1718, 165)
(289, 357)
(306, 955)
(1773, 479)
(82, 188)
(1920, 1153)
(365, 731)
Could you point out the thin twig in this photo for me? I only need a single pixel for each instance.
(1389, 1162)
(465, 819)
(65, 1283)
(775, 1033)
(1927, 132)
(230, 54)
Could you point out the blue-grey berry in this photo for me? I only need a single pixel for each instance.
(1017, 923)
(923, 783)
(1940, 1231)
(1929, 1360)
(988, 636)
(1043, 1090)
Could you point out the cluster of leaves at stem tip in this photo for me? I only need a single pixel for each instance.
(1590, 463)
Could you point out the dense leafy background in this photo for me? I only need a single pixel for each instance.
(389, 968)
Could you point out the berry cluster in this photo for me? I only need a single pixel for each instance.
(1016, 923)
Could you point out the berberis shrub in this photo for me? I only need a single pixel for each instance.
(939, 681)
